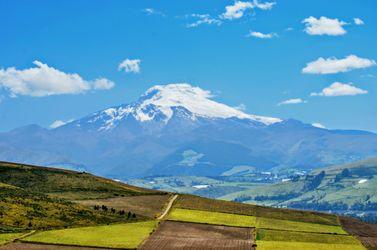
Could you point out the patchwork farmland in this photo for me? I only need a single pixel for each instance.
(104, 214)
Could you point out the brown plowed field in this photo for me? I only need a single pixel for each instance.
(181, 235)
(29, 246)
(366, 233)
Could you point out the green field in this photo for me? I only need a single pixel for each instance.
(5, 238)
(277, 235)
(297, 226)
(200, 203)
(284, 245)
(216, 218)
(128, 235)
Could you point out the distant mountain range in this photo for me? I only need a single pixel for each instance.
(178, 129)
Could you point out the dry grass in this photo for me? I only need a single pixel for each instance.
(147, 205)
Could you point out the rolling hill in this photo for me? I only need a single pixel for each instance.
(345, 189)
(59, 209)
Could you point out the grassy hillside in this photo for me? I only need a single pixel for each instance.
(33, 197)
(64, 183)
(348, 188)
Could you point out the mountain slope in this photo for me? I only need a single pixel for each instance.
(178, 128)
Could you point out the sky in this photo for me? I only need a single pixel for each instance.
(314, 61)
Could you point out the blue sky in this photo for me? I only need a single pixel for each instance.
(91, 39)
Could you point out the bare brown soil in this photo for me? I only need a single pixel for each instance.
(29, 246)
(147, 205)
(181, 235)
(366, 233)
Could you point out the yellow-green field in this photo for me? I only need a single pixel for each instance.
(197, 216)
(277, 235)
(297, 226)
(276, 239)
(5, 238)
(128, 235)
(284, 245)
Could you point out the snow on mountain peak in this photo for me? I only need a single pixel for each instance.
(160, 102)
(195, 100)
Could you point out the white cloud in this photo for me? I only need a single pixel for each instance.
(261, 35)
(333, 65)
(358, 21)
(130, 66)
(291, 101)
(203, 19)
(151, 11)
(238, 9)
(340, 89)
(44, 80)
(318, 125)
(324, 26)
(59, 123)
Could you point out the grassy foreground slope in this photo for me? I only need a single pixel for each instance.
(65, 183)
(33, 197)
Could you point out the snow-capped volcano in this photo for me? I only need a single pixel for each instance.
(178, 129)
(161, 101)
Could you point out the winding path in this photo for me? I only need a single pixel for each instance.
(170, 204)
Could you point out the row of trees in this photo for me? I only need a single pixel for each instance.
(112, 210)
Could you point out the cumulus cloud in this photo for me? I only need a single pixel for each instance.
(324, 26)
(203, 19)
(340, 89)
(59, 123)
(261, 35)
(130, 66)
(238, 9)
(333, 65)
(291, 101)
(318, 125)
(44, 80)
(358, 21)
